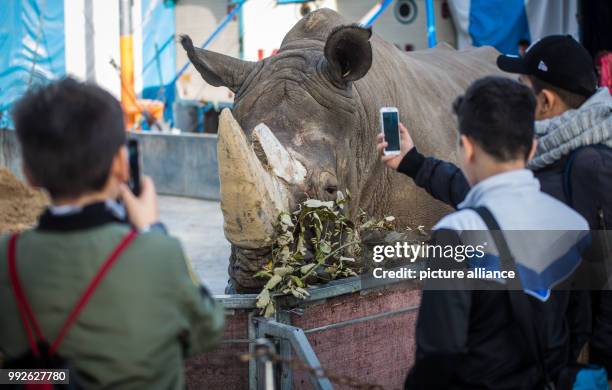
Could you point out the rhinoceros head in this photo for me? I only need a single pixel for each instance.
(294, 116)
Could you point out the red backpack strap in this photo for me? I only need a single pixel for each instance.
(93, 284)
(27, 316)
(25, 310)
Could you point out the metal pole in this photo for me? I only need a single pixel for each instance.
(127, 53)
(241, 33)
(221, 26)
(369, 19)
(300, 344)
(431, 23)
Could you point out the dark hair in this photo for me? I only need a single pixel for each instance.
(524, 42)
(498, 114)
(69, 133)
(571, 99)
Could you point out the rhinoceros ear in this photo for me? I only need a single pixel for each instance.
(217, 69)
(349, 53)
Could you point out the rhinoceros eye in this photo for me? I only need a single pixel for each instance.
(328, 185)
(331, 189)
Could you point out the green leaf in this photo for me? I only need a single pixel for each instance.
(303, 291)
(285, 219)
(284, 239)
(315, 203)
(274, 280)
(307, 268)
(263, 299)
(270, 310)
(301, 246)
(263, 274)
(340, 197)
(282, 271)
(298, 282)
(284, 254)
(325, 247)
(299, 293)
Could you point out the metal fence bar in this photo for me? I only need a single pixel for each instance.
(252, 334)
(300, 344)
(362, 319)
(286, 374)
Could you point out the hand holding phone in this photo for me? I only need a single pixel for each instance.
(389, 123)
(142, 210)
(406, 144)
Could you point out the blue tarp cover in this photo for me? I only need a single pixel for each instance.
(158, 52)
(32, 47)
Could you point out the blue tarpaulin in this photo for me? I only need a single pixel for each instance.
(32, 47)
(500, 23)
(503, 23)
(158, 52)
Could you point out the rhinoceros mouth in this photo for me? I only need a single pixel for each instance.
(254, 178)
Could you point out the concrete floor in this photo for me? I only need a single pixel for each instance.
(199, 226)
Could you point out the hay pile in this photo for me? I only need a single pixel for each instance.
(20, 205)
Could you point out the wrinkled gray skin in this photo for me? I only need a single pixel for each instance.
(320, 96)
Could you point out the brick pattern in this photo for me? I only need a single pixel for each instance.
(379, 351)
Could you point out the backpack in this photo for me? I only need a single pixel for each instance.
(573, 377)
(48, 369)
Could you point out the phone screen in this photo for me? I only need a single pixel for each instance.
(134, 160)
(391, 129)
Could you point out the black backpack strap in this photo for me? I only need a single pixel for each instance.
(521, 307)
(506, 260)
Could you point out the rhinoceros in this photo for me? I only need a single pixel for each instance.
(305, 121)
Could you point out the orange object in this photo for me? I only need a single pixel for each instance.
(127, 78)
(133, 113)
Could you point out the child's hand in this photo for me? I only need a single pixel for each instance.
(406, 145)
(142, 211)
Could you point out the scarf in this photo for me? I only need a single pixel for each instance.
(591, 124)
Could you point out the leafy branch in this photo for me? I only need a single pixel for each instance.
(315, 244)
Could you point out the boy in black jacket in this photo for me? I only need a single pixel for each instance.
(469, 336)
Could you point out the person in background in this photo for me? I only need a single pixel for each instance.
(603, 63)
(149, 311)
(523, 45)
(573, 162)
(470, 338)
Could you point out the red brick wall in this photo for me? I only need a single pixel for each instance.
(221, 368)
(377, 351)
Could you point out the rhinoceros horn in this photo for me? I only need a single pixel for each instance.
(252, 189)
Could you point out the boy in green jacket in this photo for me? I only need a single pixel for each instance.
(148, 312)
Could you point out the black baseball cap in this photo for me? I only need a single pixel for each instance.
(557, 59)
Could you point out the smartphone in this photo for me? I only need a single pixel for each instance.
(134, 160)
(389, 122)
